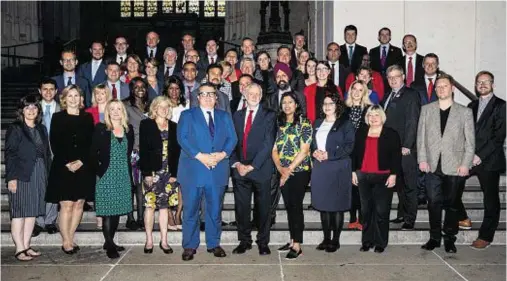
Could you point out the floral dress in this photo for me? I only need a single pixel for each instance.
(162, 194)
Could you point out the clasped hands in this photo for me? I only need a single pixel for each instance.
(462, 171)
(244, 169)
(210, 160)
(74, 165)
(320, 155)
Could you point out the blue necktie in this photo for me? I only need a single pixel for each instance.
(211, 125)
(69, 82)
(351, 52)
(47, 117)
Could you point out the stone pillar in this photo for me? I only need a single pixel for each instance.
(274, 37)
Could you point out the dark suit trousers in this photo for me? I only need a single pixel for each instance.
(275, 199)
(407, 188)
(262, 197)
(293, 193)
(376, 201)
(490, 182)
(444, 192)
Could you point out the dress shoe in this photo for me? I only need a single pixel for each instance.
(480, 244)
(323, 245)
(224, 223)
(148, 250)
(233, 223)
(333, 246)
(365, 248)
(264, 250)
(242, 248)
(284, 248)
(87, 207)
(51, 229)
(431, 244)
(112, 253)
(202, 226)
(69, 252)
(293, 254)
(273, 222)
(217, 252)
(140, 224)
(465, 224)
(132, 225)
(118, 248)
(422, 202)
(76, 248)
(36, 230)
(188, 254)
(378, 249)
(407, 226)
(449, 246)
(397, 220)
(167, 250)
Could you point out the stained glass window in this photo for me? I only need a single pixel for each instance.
(193, 6)
(209, 8)
(181, 6)
(167, 6)
(221, 8)
(138, 8)
(125, 9)
(151, 8)
(170, 6)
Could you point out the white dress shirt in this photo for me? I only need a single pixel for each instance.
(241, 102)
(171, 69)
(214, 58)
(336, 71)
(148, 50)
(427, 80)
(120, 57)
(206, 116)
(348, 48)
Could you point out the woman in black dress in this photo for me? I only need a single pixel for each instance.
(27, 160)
(71, 180)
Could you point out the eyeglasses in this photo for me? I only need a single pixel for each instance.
(485, 82)
(31, 107)
(329, 104)
(322, 69)
(207, 94)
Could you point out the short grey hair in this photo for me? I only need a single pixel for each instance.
(253, 85)
(245, 60)
(393, 68)
(170, 49)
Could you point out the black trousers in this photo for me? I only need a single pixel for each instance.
(490, 182)
(275, 194)
(406, 187)
(421, 185)
(355, 207)
(293, 193)
(444, 192)
(262, 197)
(376, 201)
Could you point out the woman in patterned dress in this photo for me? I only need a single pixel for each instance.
(159, 155)
(291, 155)
(111, 150)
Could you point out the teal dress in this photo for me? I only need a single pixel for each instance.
(113, 196)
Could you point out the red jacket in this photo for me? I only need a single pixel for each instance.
(376, 80)
(310, 92)
(94, 111)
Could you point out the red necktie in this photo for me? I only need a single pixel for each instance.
(115, 92)
(410, 72)
(247, 131)
(430, 88)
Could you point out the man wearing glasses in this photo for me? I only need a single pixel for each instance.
(207, 138)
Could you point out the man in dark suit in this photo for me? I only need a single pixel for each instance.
(187, 42)
(411, 62)
(283, 75)
(238, 101)
(489, 158)
(194, 56)
(152, 48)
(297, 80)
(211, 55)
(170, 67)
(386, 54)
(248, 49)
(402, 106)
(299, 42)
(70, 76)
(352, 53)
(253, 168)
(121, 52)
(339, 72)
(95, 70)
(119, 90)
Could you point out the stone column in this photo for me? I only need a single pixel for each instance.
(274, 37)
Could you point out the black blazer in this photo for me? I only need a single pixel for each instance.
(418, 68)
(159, 55)
(274, 104)
(161, 71)
(150, 148)
(294, 58)
(421, 88)
(20, 151)
(394, 55)
(389, 150)
(490, 134)
(260, 143)
(403, 115)
(357, 57)
(101, 149)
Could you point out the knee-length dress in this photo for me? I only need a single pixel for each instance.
(28, 201)
(113, 194)
(162, 194)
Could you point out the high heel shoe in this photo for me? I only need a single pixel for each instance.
(69, 252)
(292, 254)
(166, 250)
(148, 251)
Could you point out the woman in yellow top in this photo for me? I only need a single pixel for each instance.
(291, 155)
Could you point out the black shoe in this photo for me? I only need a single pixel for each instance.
(69, 252)
(76, 248)
(140, 224)
(217, 252)
(431, 244)
(407, 226)
(233, 223)
(422, 202)
(292, 254)
(166, 251)
(242, 248)
(51, 229)
(148, 251)
(273, 222)
(87, 207)
(132, 225)
(285, 247)
(202, 226)
(323, 245)
(333, 246)
(118, 248)
(224, 223)
(449, 246)
(264, 250)
(188, 254)
(397, 220)
(378, 249)
(112, 253)
(36, 230)
(365, 248)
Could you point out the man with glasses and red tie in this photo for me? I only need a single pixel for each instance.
(207, 139)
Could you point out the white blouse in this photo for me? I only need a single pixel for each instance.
(176, 112)
(322, 133)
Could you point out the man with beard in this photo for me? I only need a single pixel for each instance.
(223, 95)
(283, 74)
(70, 76)
(119, 90)
(94, 70)
(297, 80)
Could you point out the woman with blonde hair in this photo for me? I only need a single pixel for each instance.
(112, 146)
(71, 179)
(159, 155)
(100, 96)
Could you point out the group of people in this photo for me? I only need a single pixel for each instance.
(166, 130)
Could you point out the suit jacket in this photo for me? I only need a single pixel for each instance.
(100, 156)
(343, 73)
(274, 103)
(159, 55)
(205, 62)
(312, 109)
(342, 132)
(418, 68)
(456, 147)
(151, 148)
(194, 137)
(394, 55)
(357, 56)
(20, 151)
(259, 145)
(421, 88)
(294, 58)
(123, 92)
(297, 83)
(222, 103)
(490, 134)
(81, 82)
(153, 93)
(100, 76)
(161, 71)
(403, 114)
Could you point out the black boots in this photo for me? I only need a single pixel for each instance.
(109, 227)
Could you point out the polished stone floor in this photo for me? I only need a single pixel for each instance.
(398, 262)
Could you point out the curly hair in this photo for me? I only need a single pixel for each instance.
(340, 105)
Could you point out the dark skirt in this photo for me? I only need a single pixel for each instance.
(331, 185)
(28, 201)
(65, 185)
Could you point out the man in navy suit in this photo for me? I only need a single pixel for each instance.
(95, 70)
(152, 48)
(252, 169)
(207, 139)
(385, 54)
(211, 56)
(70, 76)
(412, 62)
(119, 90)
(352, 53)
(170, 67)
(248, 49)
